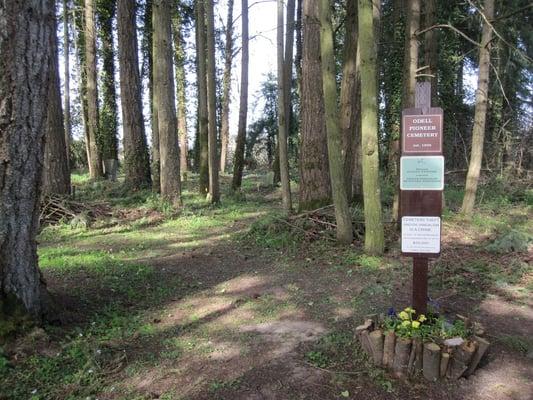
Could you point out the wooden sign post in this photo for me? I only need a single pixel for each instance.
(421, 186)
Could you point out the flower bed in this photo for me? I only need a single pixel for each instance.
(411, 344)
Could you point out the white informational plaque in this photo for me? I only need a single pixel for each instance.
(421, 235)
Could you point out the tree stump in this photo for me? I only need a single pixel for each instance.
(461, 359)
(388, 348)
(402, 352)
(444, 360)
(376, 345)
(431, 362)
(482, 346)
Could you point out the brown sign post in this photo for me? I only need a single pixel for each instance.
(422, 180)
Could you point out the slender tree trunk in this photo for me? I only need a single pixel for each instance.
(214, 190)
(148, 38)
(315, 185)
(335, 153)
(430, 48)
(136, 159)
(108, 127)
(202, 98)
(298, 55)
(56, 175)
(24, 76)
(349, 101)
(480, 113)
(374, 240)
(238, 160)
(180, 94)
(95, 156)
(226, 83)
(282, 132)
(287, 73)
(66, 78)
(410, 63)
(164, 102)
(357, 166)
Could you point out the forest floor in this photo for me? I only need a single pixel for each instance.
(224, 303)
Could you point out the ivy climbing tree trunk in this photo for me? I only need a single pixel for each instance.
(202, 98)
(214, 190)
(164, 102)
(25, 40)
(179, 66)
(105, 11)
(226, 88)
(238, 160)
(315, 186)
(136, 159)
(335, 146)
(56, 174)
(94, 153)
(480, 113)
(374, 240)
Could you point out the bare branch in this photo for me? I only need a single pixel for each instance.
(453, 28)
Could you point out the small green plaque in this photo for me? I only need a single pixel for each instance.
(422, 173)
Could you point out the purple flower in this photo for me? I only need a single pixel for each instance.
(391, 312)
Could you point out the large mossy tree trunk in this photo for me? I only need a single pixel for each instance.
(25, 40)
(374, 240)
(136, 159)
(282, 118)
(179, 60)
(202, 98)
(315, 185)
(480, 113)
(238, 160)
(92, 135)
(226, 88)
(164, 102)
(56, 174)
(212, 142)
(335, 142)
(108, 128)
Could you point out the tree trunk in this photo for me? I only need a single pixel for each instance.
(179, 60)
(202, 98)
(430, 49)
(56, 174)
(24, 75)
(108, 127)
(66, 78)
(288, 59)
(164, 102)
(374, 240)
(282, 132)
(315, 186)
(480, 113)
(336, 157)
(226, 88)
(214, 189)
(136, 159)
(238, 160)
(298, 55)
(94, 154)
(349, 101)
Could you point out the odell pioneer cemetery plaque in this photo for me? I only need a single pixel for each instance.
(421, 186)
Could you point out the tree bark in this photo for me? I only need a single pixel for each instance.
(282, 118)
(315, 185)
(430, 49)
(202, 98)
(226, 83)
(343, 216)
(66, 78)
(136, 159)
(94, 153)
(349, 96)
(164, 102)
(56, 174)
(480, 113)
(179, 60)
(108, 127)
(238, 160)
(214, 189)
(374, 240)
(24, 76)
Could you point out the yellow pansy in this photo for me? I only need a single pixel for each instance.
(415, 324)
(410, 310)
(403, 315)
(422, 318)
(406, 324)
